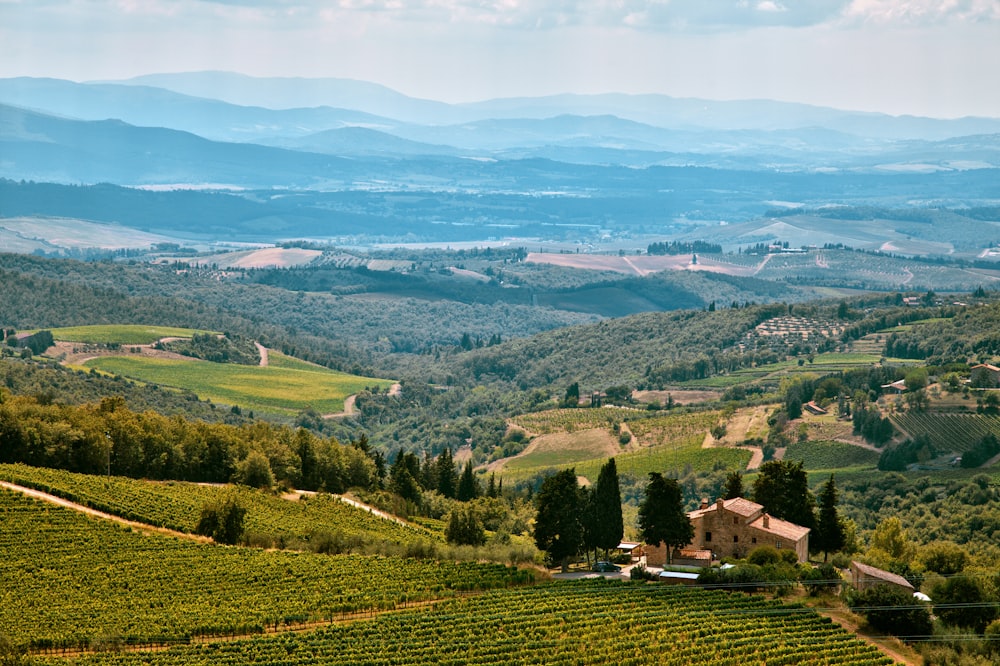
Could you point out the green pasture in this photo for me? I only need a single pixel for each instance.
(123, 334)
(563, 450)
(272, 388)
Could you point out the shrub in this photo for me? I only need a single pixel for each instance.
(893, 611)
(223, 521)
(764, 555)
(818, 579)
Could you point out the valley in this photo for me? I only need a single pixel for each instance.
(310, 371)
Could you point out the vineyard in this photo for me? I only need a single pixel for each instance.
(948, 432)
(584, 622)
(177, 505)
(570, 420)
(817, 455)
(81, 581)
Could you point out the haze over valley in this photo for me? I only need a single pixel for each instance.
(479, 333)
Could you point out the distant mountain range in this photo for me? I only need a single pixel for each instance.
(319, 157)
(636, 131)
(657, 110)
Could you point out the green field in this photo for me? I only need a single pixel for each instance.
(177, 505)
(123, 334)
(639, 463)
(581, 622)
(277, 388)
(664, 441)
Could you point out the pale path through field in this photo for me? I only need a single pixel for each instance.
(59, 501)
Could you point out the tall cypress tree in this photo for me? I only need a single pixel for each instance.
(468, 487)
(609, 527)
(734, 485)
(446, 473)
(829, 536)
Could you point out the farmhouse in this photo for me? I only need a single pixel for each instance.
(734, 527)
(864, 577)
(984, 375)
(899, 386)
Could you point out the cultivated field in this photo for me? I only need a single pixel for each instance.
(270, 257)
(948, 432)
(27, 234)
(586, 438)
(584, 622)
(122, 334)
(643, 264)
(86, 582)
(273, 388)
(177, 505)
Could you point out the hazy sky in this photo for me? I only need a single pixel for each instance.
(925, 57)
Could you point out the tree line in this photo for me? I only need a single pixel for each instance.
(108, 437)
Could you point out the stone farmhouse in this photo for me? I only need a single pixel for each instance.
(864, 577)
(734, 527)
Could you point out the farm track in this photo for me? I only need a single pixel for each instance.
(349, 401)
(65, 503)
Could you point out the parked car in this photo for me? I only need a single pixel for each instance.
(606, 567)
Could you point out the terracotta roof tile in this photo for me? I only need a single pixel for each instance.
(881, 574)
(781, 528)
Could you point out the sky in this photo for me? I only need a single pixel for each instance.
(937, 58)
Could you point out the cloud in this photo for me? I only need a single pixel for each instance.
(922, 12)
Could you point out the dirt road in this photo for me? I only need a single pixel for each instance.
(59, 501)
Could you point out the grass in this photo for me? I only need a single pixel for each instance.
(275, 388)
(124, 334)
(564, 449)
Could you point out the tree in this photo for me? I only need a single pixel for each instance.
(893, 611)
(782, 487)
(916, 380)
(829, 536)
(446, 477)
(572, 397)
(558, 530)
(403, 477)
(609, 526)
(255, 471)
(961, 601)
(944, 557)
(662, 518)
(464, 528)
(223, 520)
(890, 538)
(734, 485)
(468, 487)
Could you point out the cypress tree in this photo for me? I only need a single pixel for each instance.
(468, 487)
(609, 528)
(829, 535)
